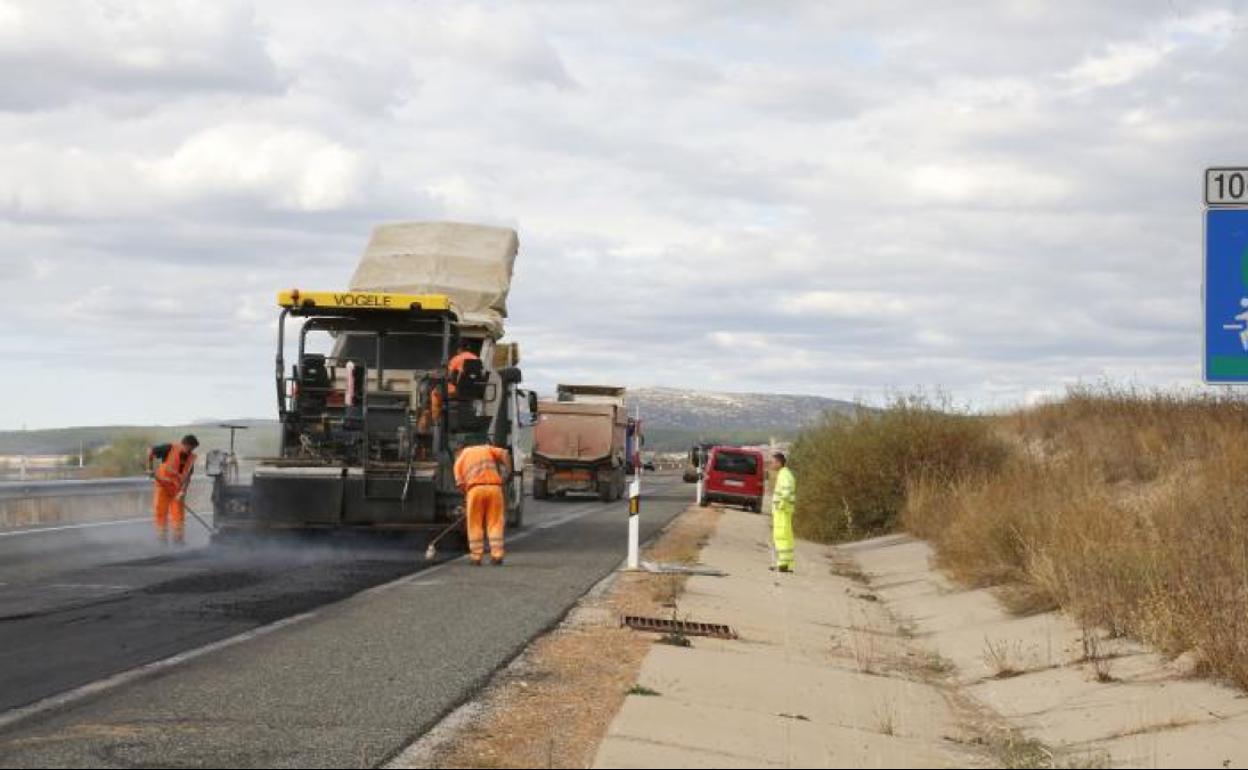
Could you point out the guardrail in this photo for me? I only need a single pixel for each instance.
(18, 490)
(40, 503)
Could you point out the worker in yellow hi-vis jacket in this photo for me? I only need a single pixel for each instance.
(783, 501)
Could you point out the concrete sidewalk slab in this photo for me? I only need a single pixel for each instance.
(769, 685)
(816, 678)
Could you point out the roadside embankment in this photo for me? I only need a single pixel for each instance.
(1069, 696)
(1121, 508)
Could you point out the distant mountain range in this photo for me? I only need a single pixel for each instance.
(698, 410)
(673, 419)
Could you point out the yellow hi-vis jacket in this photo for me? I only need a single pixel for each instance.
(783, 500)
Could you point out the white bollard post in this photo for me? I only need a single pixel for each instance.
(634, 524)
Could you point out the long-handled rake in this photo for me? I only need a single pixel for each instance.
(431, 552)
(200, 519)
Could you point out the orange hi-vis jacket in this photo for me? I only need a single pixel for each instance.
(481, 465)
(455, 366)
(175, 471)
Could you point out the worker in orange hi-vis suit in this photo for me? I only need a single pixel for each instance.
(456, 366)
(480, 473)
(172, 479)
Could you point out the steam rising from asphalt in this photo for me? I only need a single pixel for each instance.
(39, 553)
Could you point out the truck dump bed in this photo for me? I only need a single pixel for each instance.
(579, 443)
(579, 432)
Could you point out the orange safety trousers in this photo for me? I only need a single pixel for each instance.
(168, 509)
(486, 512)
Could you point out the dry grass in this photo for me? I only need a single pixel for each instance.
(886, 716)
(866, 649)
(1003, 659)
(1125, 509)
(576, 677)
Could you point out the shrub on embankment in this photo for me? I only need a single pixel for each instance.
(125, 456)
(853, 471)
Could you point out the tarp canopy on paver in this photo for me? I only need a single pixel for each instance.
(472, 264)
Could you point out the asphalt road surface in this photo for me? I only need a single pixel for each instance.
(278, 657)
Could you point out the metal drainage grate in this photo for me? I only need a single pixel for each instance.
(683, 627)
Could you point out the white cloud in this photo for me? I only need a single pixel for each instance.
(990, 184)
(59, 50)
(291, 168)
(1120, 63)
(41, 180)
(805, 196)
(845, 304)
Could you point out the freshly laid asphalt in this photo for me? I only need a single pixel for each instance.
(368, 672)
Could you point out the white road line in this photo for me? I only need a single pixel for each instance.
(89, 586)
(13, 716)
(41, 530)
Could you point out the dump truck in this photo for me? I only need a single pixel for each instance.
(580, 443)
(370, 426)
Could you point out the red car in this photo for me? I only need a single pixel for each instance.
(735, 476)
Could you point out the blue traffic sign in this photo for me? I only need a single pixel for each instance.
(1226, 295)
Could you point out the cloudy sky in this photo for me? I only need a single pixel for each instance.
(830, 198)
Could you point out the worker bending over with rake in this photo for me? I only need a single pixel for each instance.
(172, 480)
(480, 473)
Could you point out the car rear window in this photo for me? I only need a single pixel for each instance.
(732, 462)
